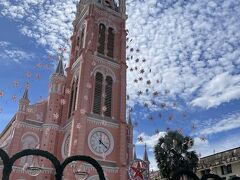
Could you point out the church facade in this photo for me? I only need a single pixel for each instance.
(85, 112)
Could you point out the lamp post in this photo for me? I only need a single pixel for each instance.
(34, 169)
(79, 171)
(81, 175)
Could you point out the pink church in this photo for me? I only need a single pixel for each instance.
(86, 102)
(85, 112)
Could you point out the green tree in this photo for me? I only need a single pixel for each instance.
(172, 154)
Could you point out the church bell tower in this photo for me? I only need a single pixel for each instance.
(96, 86)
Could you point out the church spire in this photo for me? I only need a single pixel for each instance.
(134, 153)
(24, 101)
(60, 69)
(145, 156)
(129, 117)
(25, 94)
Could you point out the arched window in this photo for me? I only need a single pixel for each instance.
(82, 38)
(76, 55)
(101, 38)
(98, 94)
(29, 141)
(108, 97)
(110, 44)
(75, 94)
(73, 97)
(78, 41)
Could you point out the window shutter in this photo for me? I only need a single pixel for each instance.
(71, 101)
(98, 94)
(108, 98)
(101, 38)
(110, 44)
(76, 55)
(75, 94)
(82, 38)
(78, 39)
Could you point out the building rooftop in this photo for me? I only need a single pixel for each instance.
(221, 158)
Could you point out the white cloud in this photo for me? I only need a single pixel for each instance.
(153, 163)
(185, 48)
(213, 126)
(150, 141)
(48, 22)
(4, 44)
(224, 143)
(187, 45)
(222, 88)
(9, 53)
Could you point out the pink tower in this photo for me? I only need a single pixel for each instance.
(85, 113)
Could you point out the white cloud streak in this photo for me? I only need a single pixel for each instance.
(222, 88)
(207, 148)
(213, 126)
(9, 53)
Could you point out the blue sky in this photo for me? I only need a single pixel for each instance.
(192, 54)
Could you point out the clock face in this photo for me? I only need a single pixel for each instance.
(100, 141)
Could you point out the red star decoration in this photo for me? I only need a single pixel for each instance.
(202, 138)
(146, 105)
(14, 98)
(155, 93)
(39, 65)
(140, 139)
(174, 104)
(142, 71)
(163, 105)
(138, 171)
(1, 93)
(28, 74)
(135, 124)
(153, 102)
(150, 118)
(139, 93)
(148, 82)
(15, 83)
